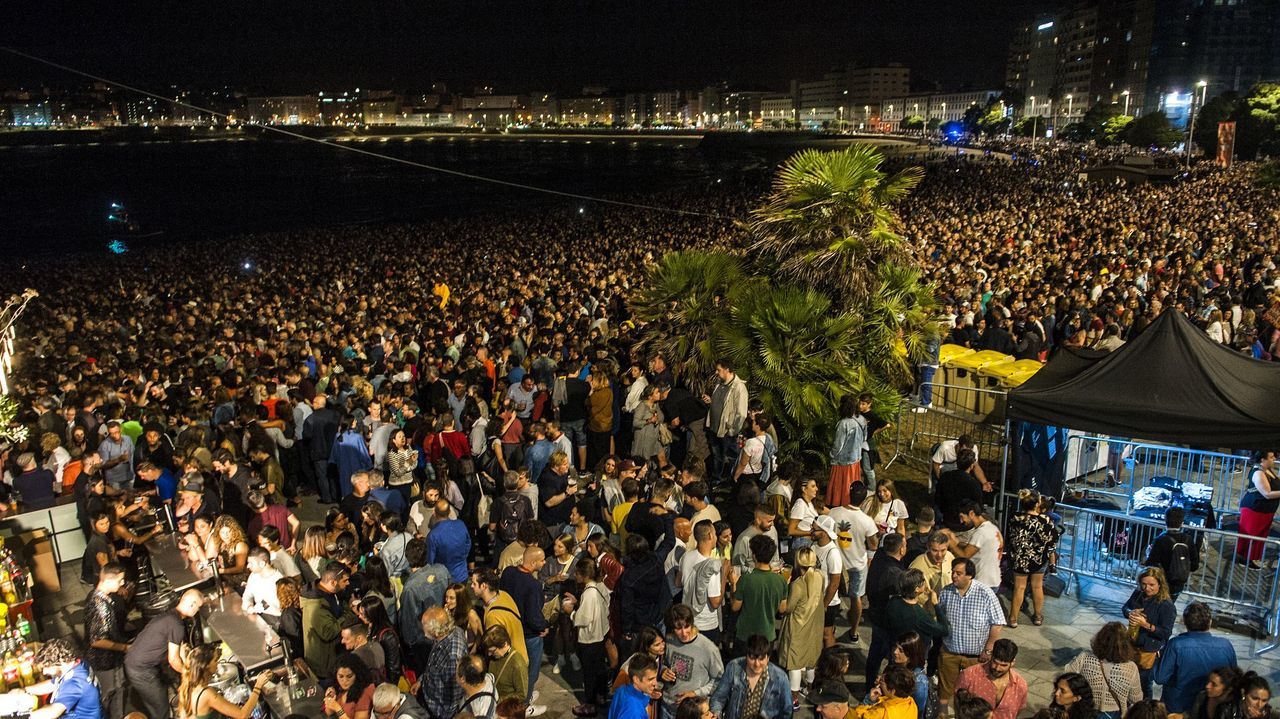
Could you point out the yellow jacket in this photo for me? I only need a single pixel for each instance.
(887, 707)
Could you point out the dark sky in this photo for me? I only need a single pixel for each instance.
(516, 45)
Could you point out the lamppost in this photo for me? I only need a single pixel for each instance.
(866, 115)
(1191, 127)
(1126, 102)
(1069, 106)
(1034, 117)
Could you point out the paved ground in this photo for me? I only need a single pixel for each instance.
(1070, 622)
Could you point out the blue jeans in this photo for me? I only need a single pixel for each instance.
(533, 645)
(926, 384)
(575, 430)
(881, 649)
(724, 457)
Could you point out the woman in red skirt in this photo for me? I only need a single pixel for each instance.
(1258, 508)
(846, 452)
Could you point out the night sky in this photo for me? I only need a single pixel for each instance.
(538, 44)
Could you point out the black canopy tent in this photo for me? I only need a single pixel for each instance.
(1170, 384)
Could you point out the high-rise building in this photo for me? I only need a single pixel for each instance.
(1144, 55)
(851, 97)
(283, 110)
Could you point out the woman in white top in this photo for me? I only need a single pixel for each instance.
(58, 457)
(800, 520)
(884, 507)
(1109, 668)
(592, 620)
(1216, 329)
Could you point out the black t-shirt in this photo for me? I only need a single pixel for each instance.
(36, 489)
(351, 505)
(549, 485)
(954, 488)
(89, 568)
(151, 649)
(575, 405)
(644, 522)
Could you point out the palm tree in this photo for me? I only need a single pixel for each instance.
(683, 304)
(829, 222)
(799, 356)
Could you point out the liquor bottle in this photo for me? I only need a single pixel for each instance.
(24, 627)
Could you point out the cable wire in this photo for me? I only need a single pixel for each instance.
(322, 141)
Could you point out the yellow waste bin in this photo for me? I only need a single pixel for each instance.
(1008, 383)
(946, 355)
(990, 404)
(962, 396)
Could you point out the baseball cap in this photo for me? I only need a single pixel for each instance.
(827, 524)
(830, 692)
(192, 483)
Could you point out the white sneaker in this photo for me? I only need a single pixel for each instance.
(535, 710)
(559, 663)
(533, 698)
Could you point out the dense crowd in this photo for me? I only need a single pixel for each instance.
(514, 487)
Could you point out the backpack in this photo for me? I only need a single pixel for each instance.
(509, 517)
(1179, 569)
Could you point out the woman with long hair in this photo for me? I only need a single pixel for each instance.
(378, 582)
(1258, 508)
(1253, 695)
(590, 616)
(402, 459)
(912, 653)
(800, 641)
(351, 693)
(314, 552)
(460, 603)
(1030, 539)
(1218, 698)
(803, 512)
(1072, 693)
(197, 700)
(288, 591)
(606, 556)
(1151, 615)
(886, 509)
(336, 524)
(233, 548)
(651, 642)
(846, 452)
(1108, 665)
(373, 612)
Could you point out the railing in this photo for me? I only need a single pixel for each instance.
(1117, 468)
(1110, 546)
(920, 428)
(980, 404)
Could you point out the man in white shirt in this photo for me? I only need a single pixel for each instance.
(703, 577)
(695, 496)
(743, 562)
(672, 563)
(944, 460)
(260, 596)
(859, 534)
(983, 546)
(830, 565)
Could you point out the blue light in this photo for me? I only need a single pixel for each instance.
(117, 247)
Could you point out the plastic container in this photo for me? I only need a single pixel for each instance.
(963, 397)
(944, 376)
(1008, 376)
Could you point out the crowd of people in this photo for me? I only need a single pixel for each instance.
(515, 487)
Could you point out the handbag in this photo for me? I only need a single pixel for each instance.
(1146, 660)
(664, 435)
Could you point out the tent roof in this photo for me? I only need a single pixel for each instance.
(1172, 384)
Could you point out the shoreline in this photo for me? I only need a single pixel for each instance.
(124, 136)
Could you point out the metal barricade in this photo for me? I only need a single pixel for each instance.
(919, 429)
(1119, 467)
(1110, 546)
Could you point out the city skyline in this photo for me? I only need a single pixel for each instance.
(555, 47)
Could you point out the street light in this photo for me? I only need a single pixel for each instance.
(1069, 105)
(1191, 127)
(1126, 102)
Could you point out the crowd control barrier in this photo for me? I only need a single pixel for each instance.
(1110, 546)
(1117, 468)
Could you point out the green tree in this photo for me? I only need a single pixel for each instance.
(1268, 175)
(684, 304)
(1027, 126)
(1218, 109)
(1152, 130)
(1258, 121)
(933, 124)
(827, 298)
(915, 122)
(1113, 130)
(829, 222)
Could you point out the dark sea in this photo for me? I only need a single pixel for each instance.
(55, 199)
